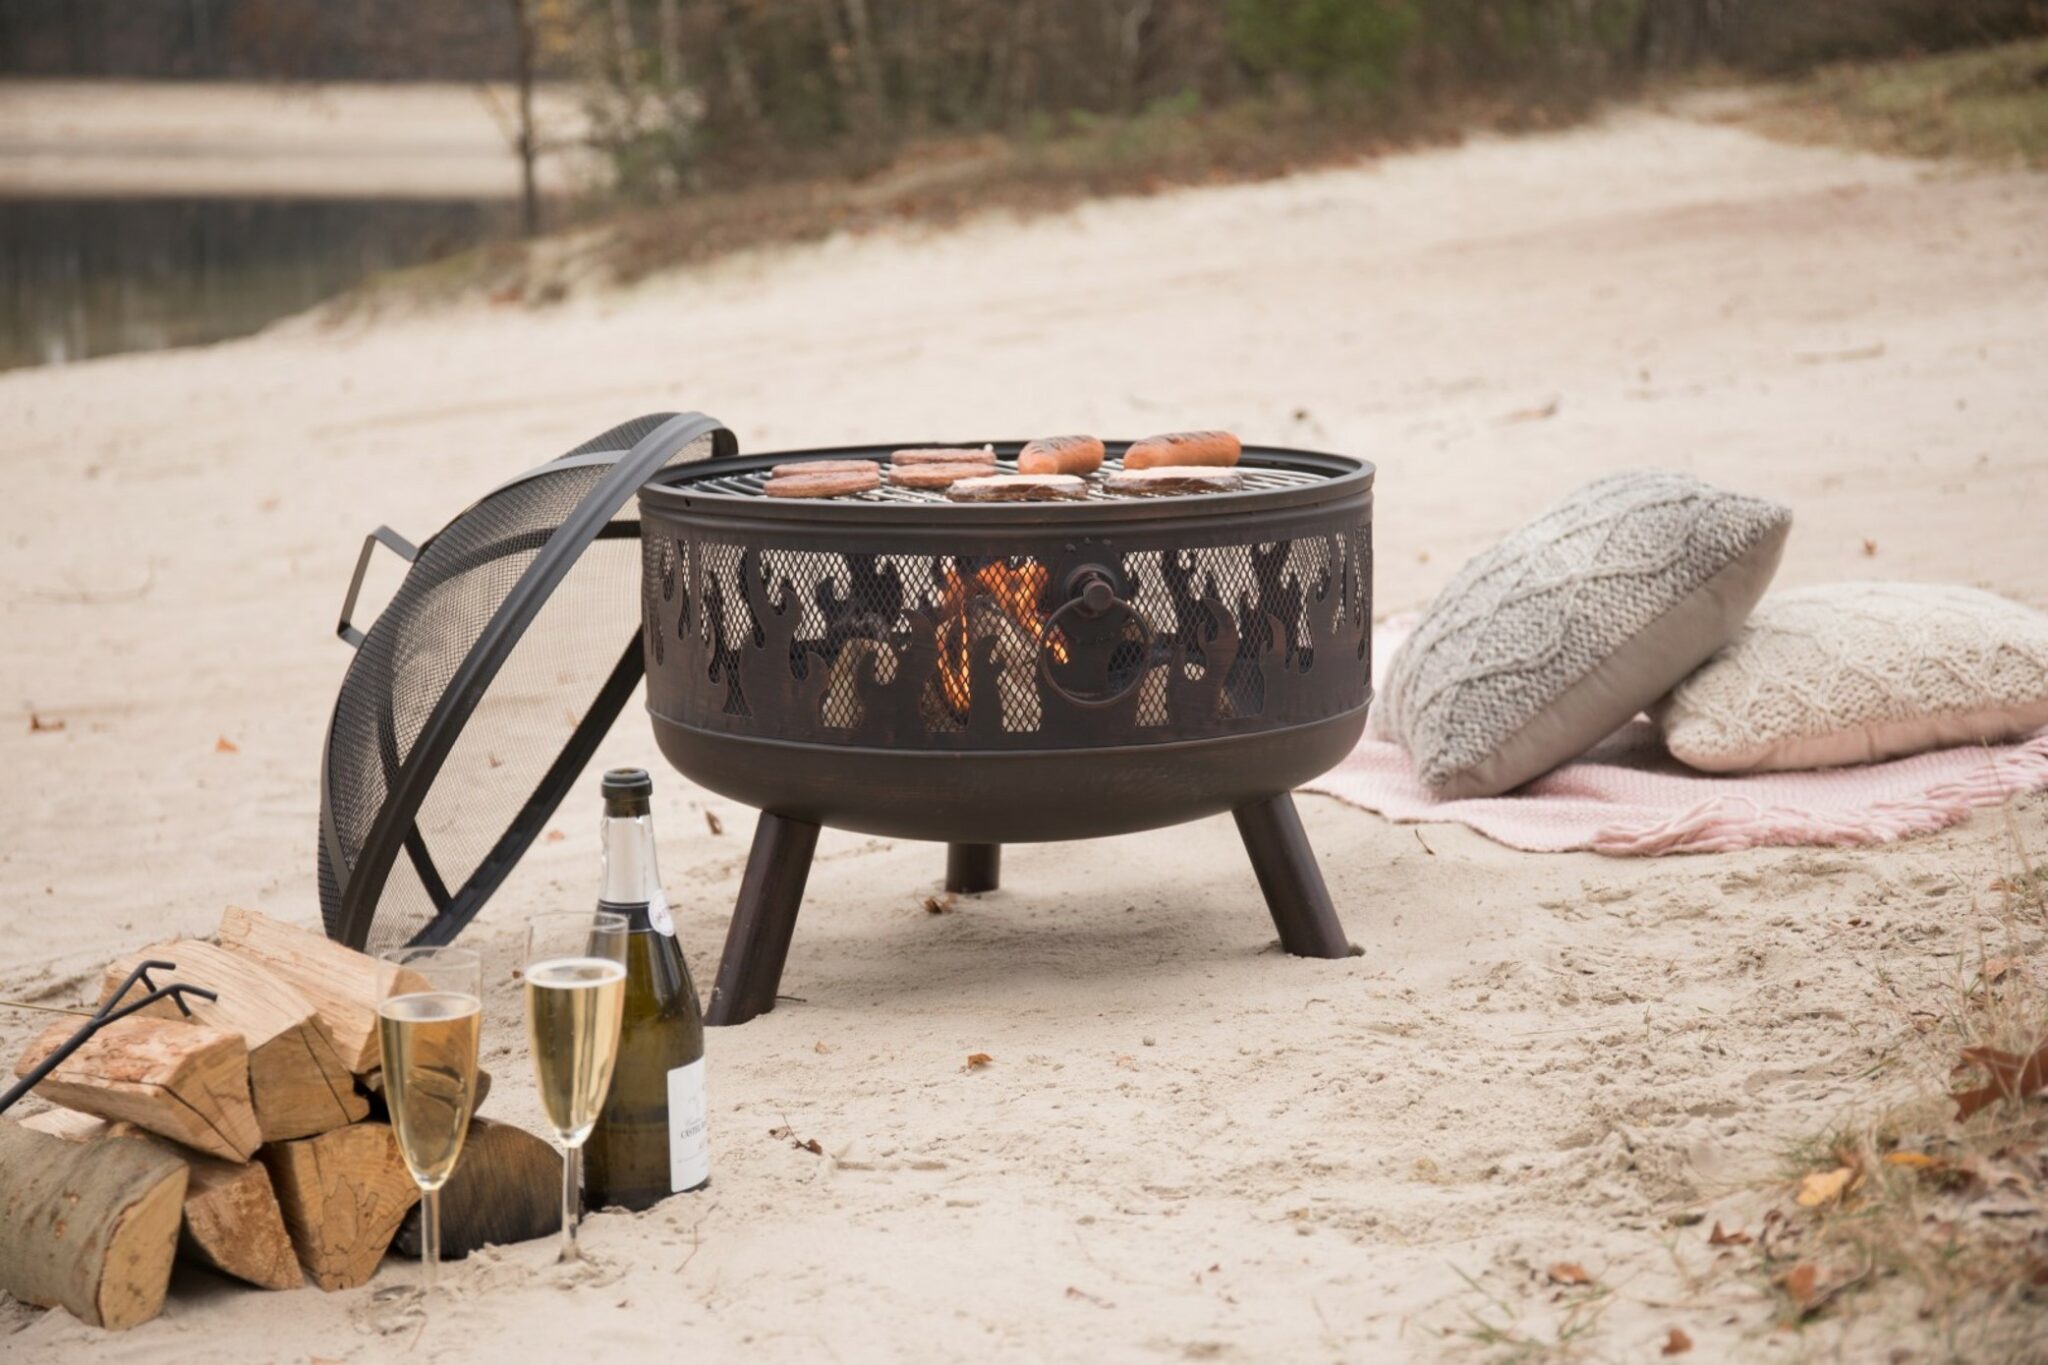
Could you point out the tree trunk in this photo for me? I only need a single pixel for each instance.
(739, 79)
(621, 17)
(524, 143)
(184, 1081)
(864, 56)
(668, 30)
(91, 1229)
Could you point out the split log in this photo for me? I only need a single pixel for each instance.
(184, 1081)
(343, 985)
(232, 1220)
(506, 1188)
(344, 1194)
(74, 1126)
(90, 1229)
(234, 1224)
(373, 1086)
(297, 1080)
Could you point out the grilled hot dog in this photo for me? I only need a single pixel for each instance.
(1184, 448)
(1060, 455)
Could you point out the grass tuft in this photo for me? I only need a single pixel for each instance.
(1986, 104)
(1910, 1208)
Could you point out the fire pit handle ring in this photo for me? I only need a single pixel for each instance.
(1092, 596)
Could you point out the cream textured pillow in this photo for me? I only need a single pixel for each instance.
(1560, 634)
(1858, 672)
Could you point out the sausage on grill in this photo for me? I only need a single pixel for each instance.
(803, 467)
(1060, 455)
(1183, 448)
(821, 485)
(983, 456)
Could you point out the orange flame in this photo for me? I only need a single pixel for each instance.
(1016, 592)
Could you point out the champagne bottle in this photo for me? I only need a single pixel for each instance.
(651, 1138)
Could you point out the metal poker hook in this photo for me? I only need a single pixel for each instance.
(107, 1013)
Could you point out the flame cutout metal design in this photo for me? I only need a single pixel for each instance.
(913, 650)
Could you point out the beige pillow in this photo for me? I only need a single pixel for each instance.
(1857, 672)
(1560, 634)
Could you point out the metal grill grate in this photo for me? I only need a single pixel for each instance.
(748, 484)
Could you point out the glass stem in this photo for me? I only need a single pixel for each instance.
(572, 1180)
(430, 1236)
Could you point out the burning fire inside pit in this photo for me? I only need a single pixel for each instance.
(1016, 591)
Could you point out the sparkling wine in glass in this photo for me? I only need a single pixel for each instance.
(575, 997)
(427, 1026)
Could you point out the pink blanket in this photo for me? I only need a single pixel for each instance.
(1627, 796)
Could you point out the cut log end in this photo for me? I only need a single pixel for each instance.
(343, 1194)
(184, 1081)
(507, 1188)
(232, 1222)
(140, 1249)
(91, 1228)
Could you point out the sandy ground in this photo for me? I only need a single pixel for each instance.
(416, 140)
(1188, 1145)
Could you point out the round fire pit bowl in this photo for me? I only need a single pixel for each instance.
(980, 673)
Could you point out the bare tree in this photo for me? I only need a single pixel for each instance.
(525, 143)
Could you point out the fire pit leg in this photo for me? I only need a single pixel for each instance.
(1290, 879)
(973, 867)
(757, 944)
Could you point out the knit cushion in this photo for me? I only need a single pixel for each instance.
(1563, 632)
(1858, 672)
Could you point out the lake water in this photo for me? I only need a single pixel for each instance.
(83, 276)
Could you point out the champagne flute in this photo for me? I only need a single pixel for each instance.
(575, 998)
(427, 1026)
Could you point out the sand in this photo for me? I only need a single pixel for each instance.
(1187, 1145)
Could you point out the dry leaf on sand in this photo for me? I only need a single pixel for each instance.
(1737, 1238)
(2013, 1077)
(1569, 1272)
(713, 823)
(1824, 1187)
(1800, 1283)
(1676, 1344)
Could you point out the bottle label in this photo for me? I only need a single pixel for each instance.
(657, 914)
(689, 1128)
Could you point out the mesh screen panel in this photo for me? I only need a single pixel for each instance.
(956, 650)
(582, 641)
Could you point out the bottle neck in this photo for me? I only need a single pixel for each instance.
(631, 879)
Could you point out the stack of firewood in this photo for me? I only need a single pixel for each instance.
(248, 1137)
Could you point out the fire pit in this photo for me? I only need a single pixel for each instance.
(978, 674)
